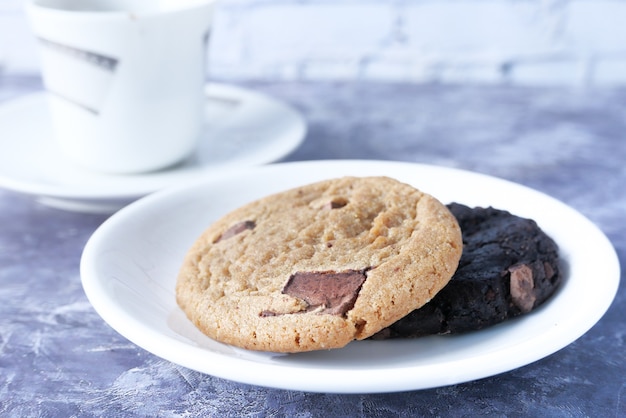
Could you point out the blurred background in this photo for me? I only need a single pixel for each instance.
(522, 42)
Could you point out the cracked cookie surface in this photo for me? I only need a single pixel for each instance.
(318, 266)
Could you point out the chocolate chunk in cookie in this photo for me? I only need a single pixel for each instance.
(327, 291)
(237, 228)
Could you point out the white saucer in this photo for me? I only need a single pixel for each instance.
(244, 128)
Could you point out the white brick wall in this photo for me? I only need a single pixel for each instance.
(478, 41)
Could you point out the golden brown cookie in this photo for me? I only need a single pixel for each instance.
(319, 266)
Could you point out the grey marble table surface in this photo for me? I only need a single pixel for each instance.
(59, 358)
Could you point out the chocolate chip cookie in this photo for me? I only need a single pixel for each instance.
(319, 266)
(509, 267)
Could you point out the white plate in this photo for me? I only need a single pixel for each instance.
(130, 264)
(243, 128)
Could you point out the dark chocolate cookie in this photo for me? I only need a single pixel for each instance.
(509, 266)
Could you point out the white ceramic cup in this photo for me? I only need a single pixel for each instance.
(125, 78)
